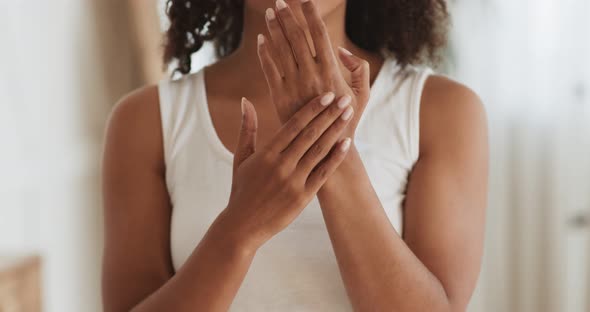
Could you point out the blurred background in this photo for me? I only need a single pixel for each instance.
(64, 63)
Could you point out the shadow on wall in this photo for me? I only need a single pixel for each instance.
(109, 62)
(107, 55)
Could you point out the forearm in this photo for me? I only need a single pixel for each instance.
(380, 272)
(211, 276)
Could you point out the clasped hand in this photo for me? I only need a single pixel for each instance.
(272, 185)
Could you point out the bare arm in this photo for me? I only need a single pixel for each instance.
(436, 264)
(137, 272)
(436, 267)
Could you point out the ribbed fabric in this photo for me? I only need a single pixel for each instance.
(296, 270)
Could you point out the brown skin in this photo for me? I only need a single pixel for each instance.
(271, 186)
(433, 268)
(438, 263)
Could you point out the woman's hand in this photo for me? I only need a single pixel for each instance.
(304, 75)
(272, 185)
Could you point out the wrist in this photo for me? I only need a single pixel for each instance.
(344, 171)
(227, 233)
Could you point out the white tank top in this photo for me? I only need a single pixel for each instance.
(296, 270)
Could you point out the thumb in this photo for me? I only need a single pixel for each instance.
(247, 138)
(359, 70)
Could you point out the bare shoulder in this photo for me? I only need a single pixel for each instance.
(136, 203)
(134, 128)
(451, 116)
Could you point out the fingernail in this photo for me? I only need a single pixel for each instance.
(243, 106)
(327, 99)
(260, 39)
(344, 101)
(345, 51)
(270, 14)
(345, 145)
(304, 1)
(347, 113)
(281, 4)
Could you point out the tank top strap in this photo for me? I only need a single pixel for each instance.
(416, 83)
(178, 112)
(394, 107)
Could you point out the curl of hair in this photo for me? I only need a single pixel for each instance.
(412, 31)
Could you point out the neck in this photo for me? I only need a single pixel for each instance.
(246, 58)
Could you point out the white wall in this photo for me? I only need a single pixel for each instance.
(53, 104)
(530, 62)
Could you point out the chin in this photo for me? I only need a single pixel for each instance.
(325, 6)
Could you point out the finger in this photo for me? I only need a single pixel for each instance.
(322, 147)
(291, 129)
(319, 34)
(326, 168)
(314, 130)
(271, 72)
(359, 69)
(247, 137)
(295, 35)
(281, 43)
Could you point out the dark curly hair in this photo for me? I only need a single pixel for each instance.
(413, 31)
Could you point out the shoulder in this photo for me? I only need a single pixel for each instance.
(452, 116)
(133, 132)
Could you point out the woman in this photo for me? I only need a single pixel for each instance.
(381, 142)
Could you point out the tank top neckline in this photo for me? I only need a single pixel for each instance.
(207, 120)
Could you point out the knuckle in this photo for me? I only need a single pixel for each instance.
(318, 80)
(281, 173)
(248, 130)
(268, 158)
(316, 150)
(322, 172)
(293, 189)
(311, 133)
(248, 150)
(294, 125)
(328, 75)
(310, 84)
(316, 84)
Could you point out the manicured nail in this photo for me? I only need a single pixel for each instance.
(270, 14)
(345, 145)
(344, 101)
(327, 99)
(345, 51)
(243, 106)
(260, 39)
(347, 113)
(281, 4)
